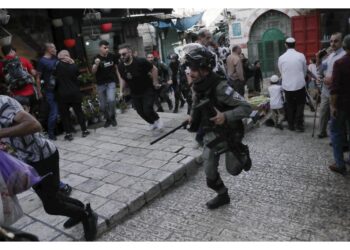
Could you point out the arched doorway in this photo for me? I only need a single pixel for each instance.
(266, 40)
(269, 49)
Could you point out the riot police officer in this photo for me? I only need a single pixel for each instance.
(174, 66)
(219, 111)
(165, 79)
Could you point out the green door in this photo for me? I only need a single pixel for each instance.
(269, 49)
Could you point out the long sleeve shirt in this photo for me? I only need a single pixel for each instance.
(234, 67)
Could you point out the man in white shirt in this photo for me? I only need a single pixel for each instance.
(292, 66)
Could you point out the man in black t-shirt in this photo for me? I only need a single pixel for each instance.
(105, 68)
(142, 79)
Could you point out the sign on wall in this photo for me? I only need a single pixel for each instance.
(236, 29)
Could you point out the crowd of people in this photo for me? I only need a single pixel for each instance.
(327, 75)
(207, 76)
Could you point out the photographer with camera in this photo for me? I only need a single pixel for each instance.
(218, 110)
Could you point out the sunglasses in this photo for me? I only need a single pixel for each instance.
(334, 41)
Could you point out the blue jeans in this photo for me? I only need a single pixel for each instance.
(107, 98)
(51, 126)
(337, 128)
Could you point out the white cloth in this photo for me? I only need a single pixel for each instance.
(275, 93)
(290, 40)
(292, 66)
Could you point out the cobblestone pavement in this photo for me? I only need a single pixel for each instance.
(289, 195)
(116, 170)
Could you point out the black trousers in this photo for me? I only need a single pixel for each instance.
(144, 106)
(65, 115)
(177, 92)
(53, 201)
(295, 107)
(162, 94)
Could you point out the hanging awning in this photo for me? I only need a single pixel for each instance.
(181, 24)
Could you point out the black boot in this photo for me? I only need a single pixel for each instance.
(218, 201)
(182, 102)
(170, 104)
(71, 222)
(247, 166)
(107, 123)
(176, 109)
(90, 224)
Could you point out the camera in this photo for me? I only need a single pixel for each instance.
(322, 53)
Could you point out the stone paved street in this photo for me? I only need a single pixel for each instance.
(289, 195)
(116, 170)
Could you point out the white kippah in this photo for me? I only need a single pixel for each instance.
(274, 78)
(290, 40)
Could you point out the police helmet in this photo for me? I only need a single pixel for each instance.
(200, 58)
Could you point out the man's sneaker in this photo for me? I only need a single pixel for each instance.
(114, 122)
(68, 137)
(152, 126)
(159, 124)
(176, 110)
(90, 224)
(218, 201)
(66, 190)
(334, 168)
(107, 124)
(85, 133)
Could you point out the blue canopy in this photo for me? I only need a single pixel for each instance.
(182, 24)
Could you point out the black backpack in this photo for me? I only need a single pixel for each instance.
(15, 75)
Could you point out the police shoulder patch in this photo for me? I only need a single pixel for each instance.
(228, 90)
